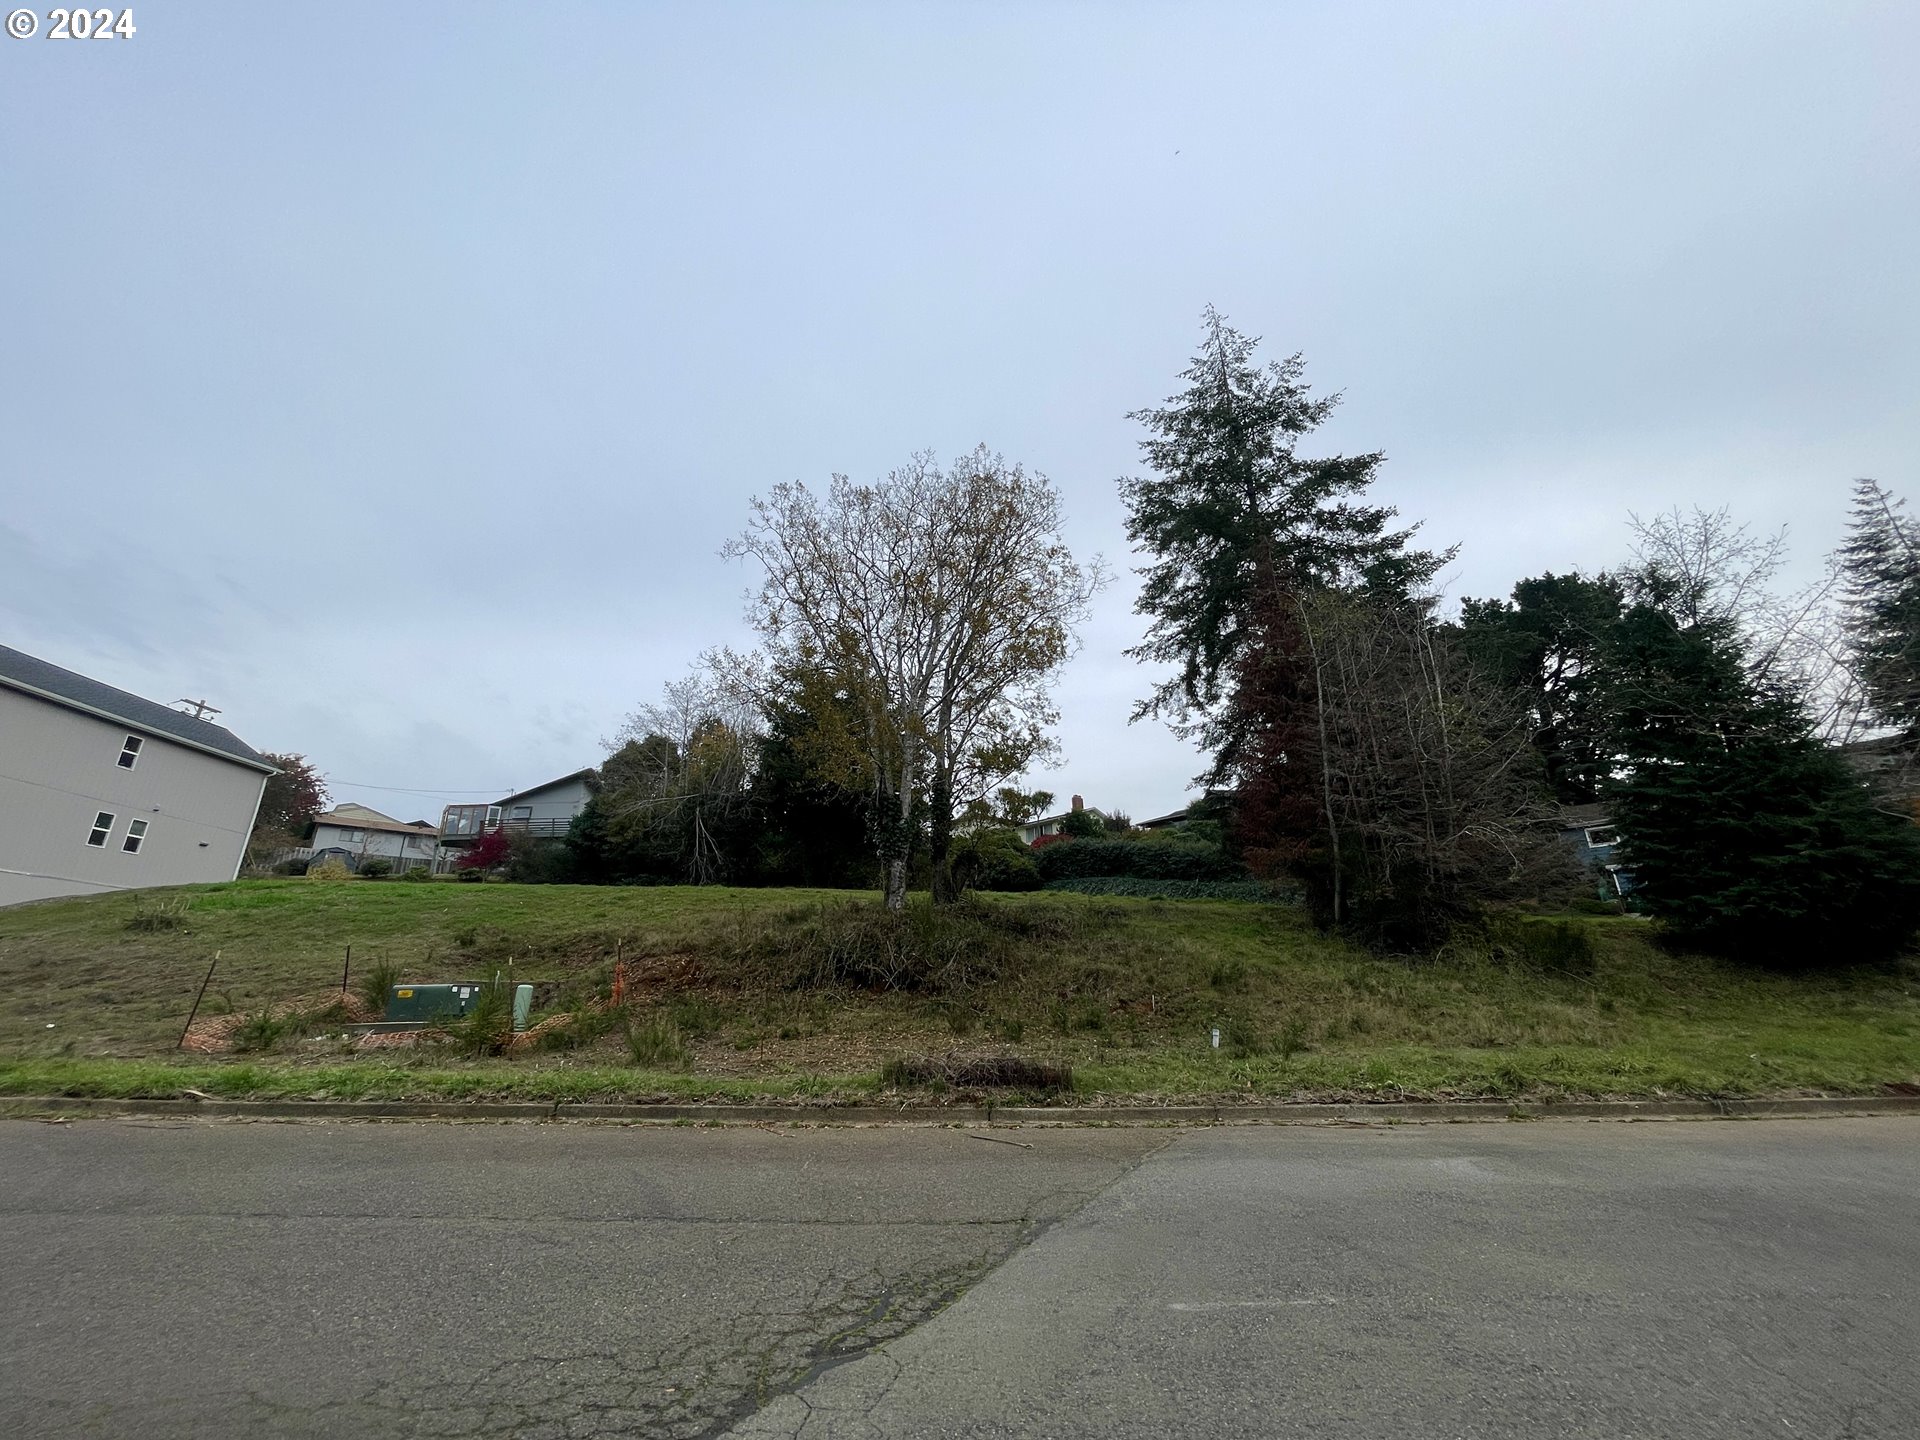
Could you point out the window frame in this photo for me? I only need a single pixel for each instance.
(1610, 831)
(130, 750)
(104, 831)
(131, 842)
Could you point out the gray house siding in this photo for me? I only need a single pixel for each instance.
(560, 801)
(387, 844)
(1595, 842)
(59, 769)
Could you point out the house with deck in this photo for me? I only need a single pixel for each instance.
(543, 812)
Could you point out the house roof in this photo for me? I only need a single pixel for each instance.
(549, 785)
(32, 676)
(1575, 817)
(360, 817)
(1051, 819)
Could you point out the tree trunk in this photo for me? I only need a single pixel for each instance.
(1326, 759)
(940, 836)
(900, 841)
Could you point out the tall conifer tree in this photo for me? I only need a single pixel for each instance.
(1229, 497)
(1881, 561)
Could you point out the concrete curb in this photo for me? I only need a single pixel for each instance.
(1405, 1112)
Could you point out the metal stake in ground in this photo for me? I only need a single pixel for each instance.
(344, 968)
(181, 1042)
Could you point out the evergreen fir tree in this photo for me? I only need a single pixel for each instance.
(1229, 494)
(1546, 643)
(1881, 560)
(1747, 835)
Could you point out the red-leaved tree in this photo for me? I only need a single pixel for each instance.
(489, 852)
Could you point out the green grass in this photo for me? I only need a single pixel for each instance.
(771, 994)
(383, 1080)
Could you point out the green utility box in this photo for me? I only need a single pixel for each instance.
(431, 1002)
(445, 1002)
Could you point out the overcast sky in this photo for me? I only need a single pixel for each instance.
(390, 375)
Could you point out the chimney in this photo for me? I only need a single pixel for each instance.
(1079, 804)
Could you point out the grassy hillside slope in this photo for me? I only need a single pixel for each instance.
(765, 988)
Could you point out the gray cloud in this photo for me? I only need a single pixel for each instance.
(394, 375)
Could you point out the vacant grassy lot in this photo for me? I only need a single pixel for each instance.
(739, 993)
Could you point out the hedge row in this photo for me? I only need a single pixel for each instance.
(1141, 859)
(1140, 888)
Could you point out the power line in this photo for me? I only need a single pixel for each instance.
(410, 790)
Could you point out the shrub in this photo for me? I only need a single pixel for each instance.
(929, 949)
(291, 867)
(537, 862)
(1081, 824)
(1008, 1072)
(994, 860)
(1148, 859)
(375, 983)
(1250, 891)
(469, 874)
(331, 868)
(417, 872)
(262, 1030)
(375, 867)
(656, 1043)
(148, 919)
(487, 1025)
(581, 1027)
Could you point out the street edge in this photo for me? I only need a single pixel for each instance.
(1393, 1112)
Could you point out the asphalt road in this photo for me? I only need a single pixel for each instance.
(1551, 1279)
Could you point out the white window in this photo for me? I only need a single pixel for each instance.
(523, 812)
(130, 752)
(136, 832)
(1602, 837)
(493, 814)
(102, 827)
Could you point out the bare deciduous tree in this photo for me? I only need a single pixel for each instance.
(1383, 768)
(1703, 566)
(681, 767)
(942, 604)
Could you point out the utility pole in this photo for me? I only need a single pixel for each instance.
(201, 709)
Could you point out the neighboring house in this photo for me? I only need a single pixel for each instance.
(1595, 841)
(1215, 805)
(101, 790)
(1050, 824)
(356, 833)
(543, 812)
